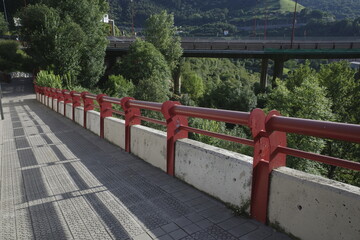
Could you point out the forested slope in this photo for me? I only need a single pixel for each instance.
(340, 8)
(197, 12)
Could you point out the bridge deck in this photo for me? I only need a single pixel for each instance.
(59, 181)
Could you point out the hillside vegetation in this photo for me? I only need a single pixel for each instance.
(340, 8)
(196, 12)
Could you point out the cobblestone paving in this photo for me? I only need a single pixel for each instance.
(59, 181)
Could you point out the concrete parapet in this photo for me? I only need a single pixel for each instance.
(313, 207)
(50, 102)
(150, 145)
(61, 107)
(301, 204)
(55, 105)
(69, 112)
(223, 174)
(114, 131)
(79, 115)
(93, 121)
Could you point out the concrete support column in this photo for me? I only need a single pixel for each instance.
(278, 70)
(177, 80)
(264, 74)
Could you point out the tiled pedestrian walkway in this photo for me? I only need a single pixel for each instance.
(59, 181)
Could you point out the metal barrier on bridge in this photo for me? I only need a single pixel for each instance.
(268, 133)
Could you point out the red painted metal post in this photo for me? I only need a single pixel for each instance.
(130, 119)
(88, 105)
(67, 99)
(265, 160)
(105, 111)
(173, 122)
(76, 102)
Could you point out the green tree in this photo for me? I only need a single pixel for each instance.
(161, 32)
(343, 90)
(69, 30)
(48, 79)
(3, 24)
(12, 58)
(67, 52)
(305, 100)
(118, 86)
(232, 94)
(147, 68)
(338, 79)
(39, 30)
(193, 85)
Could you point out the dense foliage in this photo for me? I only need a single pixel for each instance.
(48, 79)
(147, 68)
(340, 8)
(237, 17)
(3, 24)
(67, 37)
(12, 58)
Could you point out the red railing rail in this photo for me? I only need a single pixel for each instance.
(268, 133)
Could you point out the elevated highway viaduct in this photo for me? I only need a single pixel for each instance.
(277, 50)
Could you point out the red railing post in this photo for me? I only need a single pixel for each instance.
(130, 119)
(76, 102)
(173, 123)
(88, 105)
(105, 111)
(265, 160)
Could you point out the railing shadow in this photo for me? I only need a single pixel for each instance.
(132, 200)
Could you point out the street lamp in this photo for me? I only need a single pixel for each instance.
(6, 18)
(266, 19)
(132, 17)
(293, 27)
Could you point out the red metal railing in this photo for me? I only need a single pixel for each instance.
(268, 132)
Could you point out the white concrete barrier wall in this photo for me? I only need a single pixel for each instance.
(69, 112)
(223, 174)
(150, 145)
(114, 131)
(313, 207)
(50, 102)
(79, 115)
(93, 121)
(304, 205)
(61, 108)
(55, 105)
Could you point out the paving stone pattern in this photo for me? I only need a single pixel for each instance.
(59, 181)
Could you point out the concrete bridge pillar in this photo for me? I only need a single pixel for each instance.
(278, 70)
(264, 74)
(177, 80)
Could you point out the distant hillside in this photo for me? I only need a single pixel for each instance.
(340, 8)
(200, 12)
